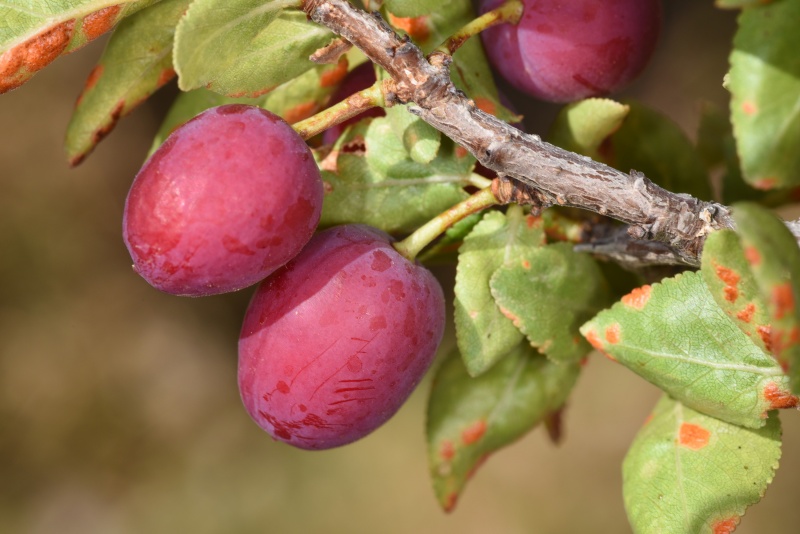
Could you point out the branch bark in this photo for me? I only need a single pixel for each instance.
(558, 177)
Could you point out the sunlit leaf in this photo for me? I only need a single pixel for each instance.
(675, 335)
(688, 472)
(582, 126)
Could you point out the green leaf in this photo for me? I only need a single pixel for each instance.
(370, 178)
(737, 4)
(484, 335)
(764, 81)
(293, 100)
(412, 8)
(730, 281)
(651, 143)
(717, 148)
(470, 418)
(688, 472)
(582, 126)
(549, 292)
(136, 62)
(419, 138)
(35, 32)
(244, 47)
(774, 257)
(674, 335)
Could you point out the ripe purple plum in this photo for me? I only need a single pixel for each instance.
(229, 197)
(357, 80)
(334, 342)
(565, 51)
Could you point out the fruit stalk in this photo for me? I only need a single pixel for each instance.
(559, 177)
(348, 108)
(425, 234)
(510, 12)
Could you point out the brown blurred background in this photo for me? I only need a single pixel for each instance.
(119, 411)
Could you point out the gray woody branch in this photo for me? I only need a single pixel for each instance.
(678, 223)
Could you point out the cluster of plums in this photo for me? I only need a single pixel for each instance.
(342, 327)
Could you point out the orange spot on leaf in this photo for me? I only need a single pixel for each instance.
(447, 450)
(526, 264)
(485, 105)
(299, 112)
(749, 108)
(778, 398)
(474, 432)
(416, 27)
(752, 255)
(97, 23)
(165, 76)
(450, 502)
(637, 298)
(746, 315)
(731, 279)
(765, 333)
(765, 184)
(335, 75)
(726, 526)
(783, 300)
(461, 151)
(612, 333)
(693, 436)
(594, 340)
(20, 62)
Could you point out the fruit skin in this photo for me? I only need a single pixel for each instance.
(356, 80)
(564, 51)
(334, 342)
(229, 197)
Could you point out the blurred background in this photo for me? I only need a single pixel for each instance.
(119, 410)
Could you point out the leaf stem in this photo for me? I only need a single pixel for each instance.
(510, 12)
(479, 181)
(425, 234)
(348, 108)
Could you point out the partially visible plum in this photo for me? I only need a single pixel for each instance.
(564, 51)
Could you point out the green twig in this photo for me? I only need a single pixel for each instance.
(425, 234)
(351, 106)
(510, 12)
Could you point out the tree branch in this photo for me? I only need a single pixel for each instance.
(558, 177)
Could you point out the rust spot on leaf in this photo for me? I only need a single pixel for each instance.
(782, 300)
(20, 62)
(485, 105)
(752, 255)
(461, 151)
(595, 341)
(612, 333)
(513, 318)
(331, 77)
(532, 221)
(726, 526)
(637, 298)
(778, 398)
(765, 333)
(746, 315)
(474, 432)
(91, 81)
(765, 184)
(165, 76)
(693, 436)
(526, 264)
(416, 27)
(450, 502)
(731, 279)
(647, 420)
(447, 450)
(97, 23)
(749, 108)
(300, 112)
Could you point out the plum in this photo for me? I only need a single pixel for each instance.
(564, 51)
(229, 197)
(334, 342)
